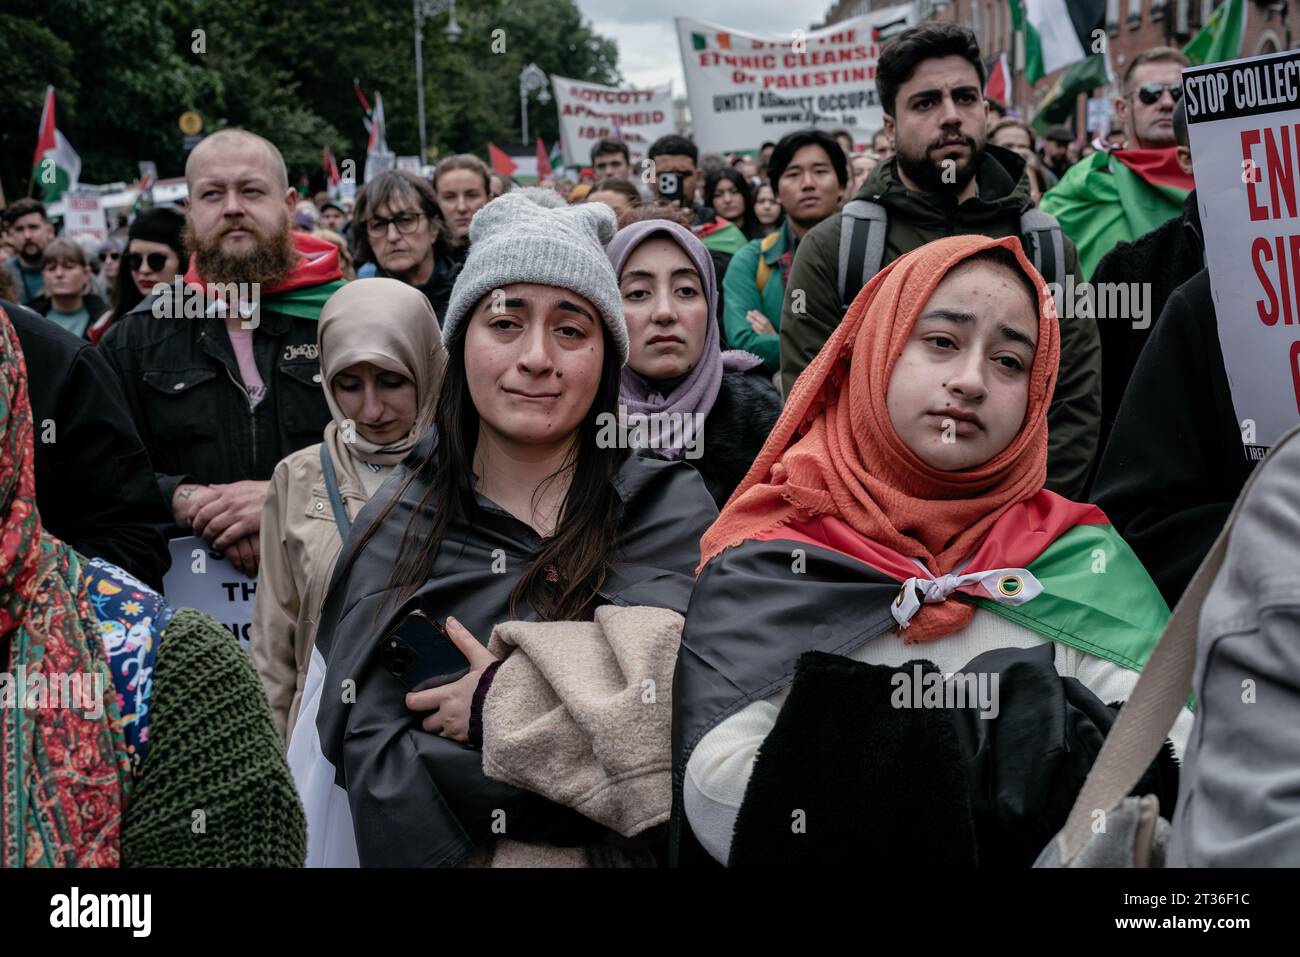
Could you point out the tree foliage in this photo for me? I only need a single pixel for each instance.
(124, 71)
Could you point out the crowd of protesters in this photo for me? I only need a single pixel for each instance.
(694, 419)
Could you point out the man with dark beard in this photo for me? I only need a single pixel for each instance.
(223, 374)
(943, 180)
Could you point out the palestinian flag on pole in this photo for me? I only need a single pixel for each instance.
(1115, 197)
(1057, 33)
(56, 167)
(1220, 38)
(998, 86)
(332, 176)
(500, 161)
(1061, 100)
(543, 160)
(378, 156)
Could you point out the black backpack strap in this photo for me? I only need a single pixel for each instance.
(863, 225)
(1044, 243)
(332, 486)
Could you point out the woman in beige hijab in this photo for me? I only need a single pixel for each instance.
(381, 361)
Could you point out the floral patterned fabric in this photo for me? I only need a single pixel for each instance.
(132, 619)
(63, 761)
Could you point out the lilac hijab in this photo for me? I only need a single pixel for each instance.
(698, 389)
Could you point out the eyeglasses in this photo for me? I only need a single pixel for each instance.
(406, 223)
(156, 261)
(115, 256)
(1150, 93)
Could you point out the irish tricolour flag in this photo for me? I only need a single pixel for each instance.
(1057, 32)
(56, 166)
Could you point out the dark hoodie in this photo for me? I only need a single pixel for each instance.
(916, 219)
(1166, 257)
(1175, 464)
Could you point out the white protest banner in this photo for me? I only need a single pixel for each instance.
(1242, 117)
(590, 112)
(745, 89)
(409, 164)
(83, 215)
(203, 579)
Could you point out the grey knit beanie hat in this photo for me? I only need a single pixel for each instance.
(530, 235)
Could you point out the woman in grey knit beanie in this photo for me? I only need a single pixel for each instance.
(514, 506)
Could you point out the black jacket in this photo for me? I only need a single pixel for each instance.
(419, 799)
(95, 487)
(1175, 463)
(945, 785)
(187, 397)
(438, 287)
(747, 407)
(1166, 257)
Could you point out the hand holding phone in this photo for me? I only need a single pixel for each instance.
(671, 186)
(420, 654)
(448, 699)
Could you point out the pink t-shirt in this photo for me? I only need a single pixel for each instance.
(242, 340)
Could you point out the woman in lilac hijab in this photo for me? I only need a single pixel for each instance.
(681, 395)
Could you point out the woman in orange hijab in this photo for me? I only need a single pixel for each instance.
(893, 530)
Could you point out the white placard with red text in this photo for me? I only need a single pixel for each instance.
(83, 215)
(746, 89)
(1244, 121)
(590, 112)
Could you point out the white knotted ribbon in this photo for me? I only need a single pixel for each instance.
(1007, 586)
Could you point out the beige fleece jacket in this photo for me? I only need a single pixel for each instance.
(581, 713)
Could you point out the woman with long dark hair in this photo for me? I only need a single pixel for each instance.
(514, 507)
(155, 253)
(730, 195)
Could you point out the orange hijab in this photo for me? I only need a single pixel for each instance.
(834, 450)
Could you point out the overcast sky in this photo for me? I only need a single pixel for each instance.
(648, 53)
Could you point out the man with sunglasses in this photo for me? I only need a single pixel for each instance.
(399, 228)
(1116, 196)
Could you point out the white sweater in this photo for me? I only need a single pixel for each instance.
(719, 768)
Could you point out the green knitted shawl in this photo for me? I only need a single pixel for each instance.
(216, 791)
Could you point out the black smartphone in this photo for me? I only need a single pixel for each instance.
(671, 185)
(419, 654)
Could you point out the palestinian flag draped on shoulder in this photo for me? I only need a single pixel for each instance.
(1048, 564)
(1116, 197)
(302, 293)
(1054, 566)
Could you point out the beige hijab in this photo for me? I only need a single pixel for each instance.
(391, 325)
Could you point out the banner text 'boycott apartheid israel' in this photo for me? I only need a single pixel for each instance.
(1244, 121)
(590, 112)
(745, 89)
